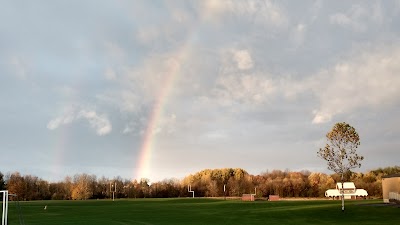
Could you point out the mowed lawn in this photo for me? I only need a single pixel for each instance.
(202, 211)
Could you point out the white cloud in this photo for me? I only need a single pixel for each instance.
(137, 85)
(237, 83)
(213, 8)
(263, 12)
(321, 117)
(359, 18)
(243, 89)
(166, 125)
(216, 134)
(346, 21)
(300, 27)
(98, 122)
(126, 98)
(140, 87)
(299, 33)
(341, 19)
(128, 101)
(128, 129)
(243, 59)
(367, 80)
(59, 121)
(135, 126)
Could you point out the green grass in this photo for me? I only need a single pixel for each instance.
(202, 211)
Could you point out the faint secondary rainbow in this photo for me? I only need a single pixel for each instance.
(59, 149)
(146, 150)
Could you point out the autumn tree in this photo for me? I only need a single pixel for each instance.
(36, 188)
(60, 191)
(83, 186)
(16, 185)
(319, 183)
(340, 153)
(145, 187)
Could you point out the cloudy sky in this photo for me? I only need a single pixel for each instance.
(163, 89)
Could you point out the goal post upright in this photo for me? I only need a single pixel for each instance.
(190, 190)
(253, 195)
(224, 191)
(5, 207)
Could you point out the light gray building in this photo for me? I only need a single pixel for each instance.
(391, 188)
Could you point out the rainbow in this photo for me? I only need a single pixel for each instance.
(143, 169)
(145, 152)
(59, 145)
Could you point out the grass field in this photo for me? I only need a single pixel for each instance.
(202, 211)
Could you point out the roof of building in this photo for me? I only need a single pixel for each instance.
(346, 185)
(336, 193)
(391, 175)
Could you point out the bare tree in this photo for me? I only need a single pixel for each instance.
(340, 152)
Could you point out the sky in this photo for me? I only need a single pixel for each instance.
(163, 89)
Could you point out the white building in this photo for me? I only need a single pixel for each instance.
(349, 189)
(391, 188)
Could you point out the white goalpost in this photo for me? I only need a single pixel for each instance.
(190, 190)
(252, 195)
(4, 213)
(4, 207)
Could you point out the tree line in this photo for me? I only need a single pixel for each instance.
(205, 183)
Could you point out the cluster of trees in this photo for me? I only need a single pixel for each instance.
(206, 183)
(283, 183)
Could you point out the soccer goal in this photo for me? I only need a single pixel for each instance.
(4, 196)
(4, 212)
